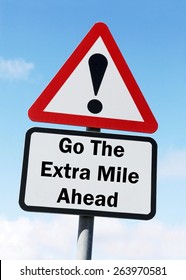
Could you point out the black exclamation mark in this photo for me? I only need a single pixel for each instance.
(97, 64)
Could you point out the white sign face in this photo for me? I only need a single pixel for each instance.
(118, 105)
(89, 173)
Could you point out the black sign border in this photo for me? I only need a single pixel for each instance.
(88, 212)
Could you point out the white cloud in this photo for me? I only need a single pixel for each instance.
(23, 238)
(173, 165)
(15, 69)
(37, 239)
(143, 240)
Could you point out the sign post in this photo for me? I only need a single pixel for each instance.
(85, 230)
(91, 173)
(85, 237)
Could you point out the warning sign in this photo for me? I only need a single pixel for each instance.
(95, 88)
(88, 173)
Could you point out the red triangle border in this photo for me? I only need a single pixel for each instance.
(37, 113)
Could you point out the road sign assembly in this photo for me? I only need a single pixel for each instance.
(95, 88)
(88, 173)
(95, 174)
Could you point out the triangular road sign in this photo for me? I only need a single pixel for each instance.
(95, 88)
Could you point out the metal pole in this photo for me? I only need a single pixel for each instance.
(85, 237)
(85, 230)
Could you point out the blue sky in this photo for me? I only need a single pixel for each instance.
(37, 37)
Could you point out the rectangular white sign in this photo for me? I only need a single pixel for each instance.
(88, 173)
